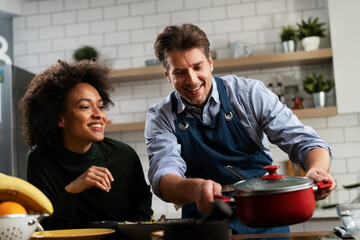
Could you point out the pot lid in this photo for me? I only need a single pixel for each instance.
(272, 183)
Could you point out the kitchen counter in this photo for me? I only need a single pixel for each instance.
(325, 213)
(316, 235)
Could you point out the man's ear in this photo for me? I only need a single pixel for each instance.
(167, 75)
(211, 62)
(61, 122)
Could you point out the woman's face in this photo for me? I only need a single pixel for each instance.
(83, 121)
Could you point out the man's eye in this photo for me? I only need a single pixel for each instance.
(178, 74)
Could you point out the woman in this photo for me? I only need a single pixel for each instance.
(86, 176)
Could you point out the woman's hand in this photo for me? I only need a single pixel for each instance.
(93, 177)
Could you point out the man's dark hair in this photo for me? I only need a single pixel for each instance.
(182, 37)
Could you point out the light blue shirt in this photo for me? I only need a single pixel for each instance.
(260, 111)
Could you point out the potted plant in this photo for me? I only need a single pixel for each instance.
(317, 86)
(310, 32)
(288, 38)
(85, 52)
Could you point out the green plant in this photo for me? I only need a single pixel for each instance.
(288, 33)
(85, 52)
(316, 83)
(310, 28)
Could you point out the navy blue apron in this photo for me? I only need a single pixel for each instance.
(207, 149)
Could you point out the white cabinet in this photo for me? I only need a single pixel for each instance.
(345, 38)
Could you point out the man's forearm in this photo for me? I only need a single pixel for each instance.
(178, 190)
(318, 158)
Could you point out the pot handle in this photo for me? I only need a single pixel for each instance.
(226, 199)
(322, 185)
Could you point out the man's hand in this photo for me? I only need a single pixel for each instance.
(204, 193)
(181, 191)
(93, 177)
(321, 176)
(317, 164)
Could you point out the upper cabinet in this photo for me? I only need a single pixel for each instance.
(345, 37)
(232, 64)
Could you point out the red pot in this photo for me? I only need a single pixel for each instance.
(275, 200)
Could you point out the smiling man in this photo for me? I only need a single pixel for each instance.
(209, 122)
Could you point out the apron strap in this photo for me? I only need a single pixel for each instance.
(225, 102)
(181, 117)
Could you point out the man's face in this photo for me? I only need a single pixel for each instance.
(191, 75)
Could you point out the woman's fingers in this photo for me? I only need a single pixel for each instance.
(100, 177)
(93, 177)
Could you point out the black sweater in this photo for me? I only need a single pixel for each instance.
(129, 198)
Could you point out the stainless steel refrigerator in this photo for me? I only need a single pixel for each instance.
(13, 83)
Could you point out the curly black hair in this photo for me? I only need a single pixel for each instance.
(46, 95)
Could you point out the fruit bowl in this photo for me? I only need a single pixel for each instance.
(19, 226)
(349, 214)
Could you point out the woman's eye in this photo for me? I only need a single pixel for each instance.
(102, 107)
(84, 107)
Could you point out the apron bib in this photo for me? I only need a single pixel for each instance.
(207, 149)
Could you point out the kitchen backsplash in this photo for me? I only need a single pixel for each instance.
(124, 30)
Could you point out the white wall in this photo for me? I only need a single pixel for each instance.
(11, 6)
(124, 32)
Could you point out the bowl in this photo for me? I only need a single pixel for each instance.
(19, 226)
(349, 214)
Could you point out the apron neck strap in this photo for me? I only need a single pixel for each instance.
(223, 95)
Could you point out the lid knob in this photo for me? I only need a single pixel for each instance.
(272, 173)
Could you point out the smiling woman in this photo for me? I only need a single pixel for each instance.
(70, 160)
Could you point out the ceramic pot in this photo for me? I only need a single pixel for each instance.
(311, 43)
(241, 49)
(289, 46)
(319, 99)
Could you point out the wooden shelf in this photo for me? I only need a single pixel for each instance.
(125, 127)
(316, 112)
(303, 113)
(299, 58)
(232, 64)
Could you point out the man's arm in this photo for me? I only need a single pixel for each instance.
(317, 164)
(180, 191)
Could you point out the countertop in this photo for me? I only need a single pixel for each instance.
(325, 213)
(292, 235)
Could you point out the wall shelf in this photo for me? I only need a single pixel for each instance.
(232, 64)
(303, 113)
(299, 58)
(125, 127)
(316, 112)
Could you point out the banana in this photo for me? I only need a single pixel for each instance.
(18, 190)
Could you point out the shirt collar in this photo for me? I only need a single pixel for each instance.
(214, 96)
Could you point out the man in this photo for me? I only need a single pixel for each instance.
(209, 122)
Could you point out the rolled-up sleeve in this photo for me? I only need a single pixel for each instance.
(163, 149)
(282, 127)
